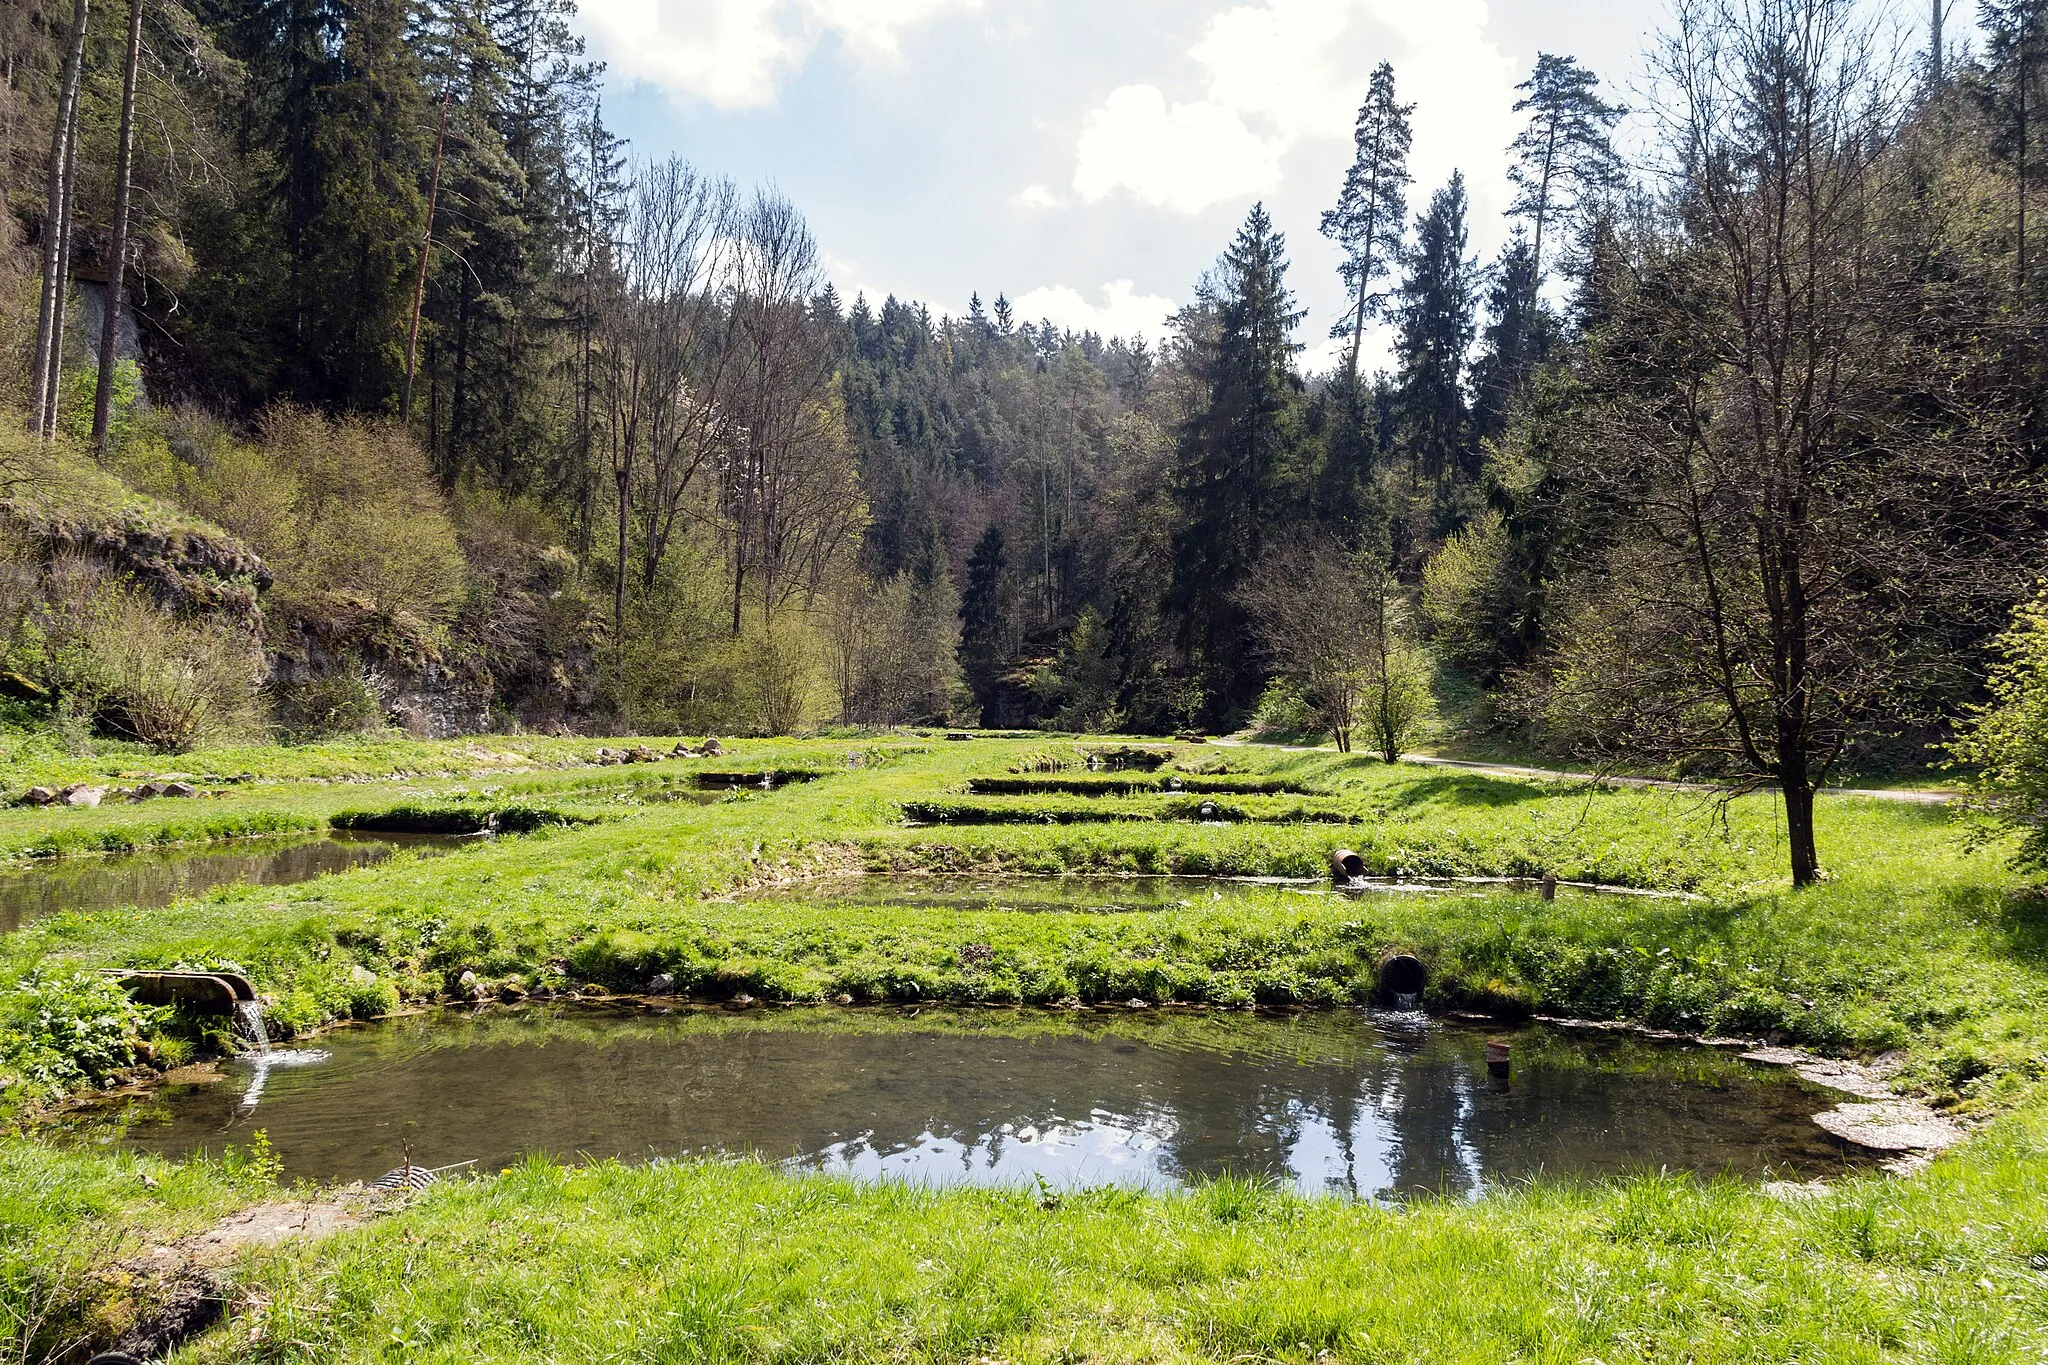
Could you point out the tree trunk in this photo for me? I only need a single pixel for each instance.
(48, 338)
(1799, 827)
(55, 372)
(419, 285)
(117, 253)
(623, 475)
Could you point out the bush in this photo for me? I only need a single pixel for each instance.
(2007, 738)
(1283, 712)
(1468, 595)
(61, 1032)
(137, 671)
(337, 507)
(344, 703)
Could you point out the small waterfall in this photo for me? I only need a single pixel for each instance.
(1407, 1001)
(250, 1013)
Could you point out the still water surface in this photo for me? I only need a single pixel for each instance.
(1382, 1106)
(154, 878)
(1108, 895)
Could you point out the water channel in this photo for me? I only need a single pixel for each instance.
(1375, 1106)
(1108, 895)
(154, 878)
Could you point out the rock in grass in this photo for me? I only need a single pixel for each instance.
(664, 984)
(84, 797)
(37, 796)
(180, 789)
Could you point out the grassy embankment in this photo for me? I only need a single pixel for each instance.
(1916, 944)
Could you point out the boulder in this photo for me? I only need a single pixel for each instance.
(663, 984)
(180, 789)
(360, 975)
(146, 791)
(37, 796)
(712, 748)
(84, 797)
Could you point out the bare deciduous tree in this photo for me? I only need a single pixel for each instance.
(1793, 491)
(790, 501)
(657, 335)
(1334, 626)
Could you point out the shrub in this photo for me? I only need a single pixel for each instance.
(343, 703)
(60, 1032)
(336, 506)
(1283, 712)
(137, 671)
(2007, 738)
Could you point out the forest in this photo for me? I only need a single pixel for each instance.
(422, 399)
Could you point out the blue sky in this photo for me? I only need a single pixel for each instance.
(1089, 158)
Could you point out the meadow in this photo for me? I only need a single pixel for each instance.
(1921, 944)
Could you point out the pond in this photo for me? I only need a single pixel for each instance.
(1109, 895)
(154, 878)
(1375, 1106)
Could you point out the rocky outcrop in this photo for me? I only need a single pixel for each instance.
(188, 568)
(400, 670)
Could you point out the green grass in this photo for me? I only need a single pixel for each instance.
(1917, 943)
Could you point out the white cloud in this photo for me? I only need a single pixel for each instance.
(1123, 312)
(1037, 197)
(1278, 73)
(734, 54)
(1184, 156)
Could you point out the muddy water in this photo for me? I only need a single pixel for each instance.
(1382, 1107)
(154, 878)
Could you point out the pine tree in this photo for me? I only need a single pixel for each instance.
(1436, 334)
(1372, 210)
(1565, 156)
(1236, 455)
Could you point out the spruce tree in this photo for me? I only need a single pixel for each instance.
(1372, 210)
(2011, 93)
(983, 623)
(1516, 339)
(1436, 322)
(1237, 456)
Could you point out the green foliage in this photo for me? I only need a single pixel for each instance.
(344, 511)
(1463, 592)
(1080, 690)
(1282, 714)
(2006, 740)
(61, 1031)
(137, 671)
